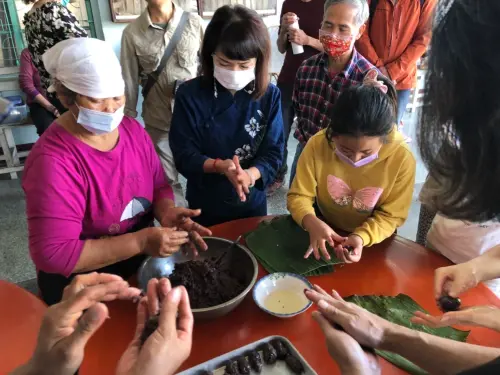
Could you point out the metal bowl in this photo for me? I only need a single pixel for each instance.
(239, 257)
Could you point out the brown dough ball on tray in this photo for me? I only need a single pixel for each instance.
(294, 364)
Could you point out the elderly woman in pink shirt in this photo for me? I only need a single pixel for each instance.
(93, 182)
(42, 111)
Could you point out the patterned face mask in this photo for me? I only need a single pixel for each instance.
(335, 45)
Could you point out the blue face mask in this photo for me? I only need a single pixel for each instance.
(98, 122)
(64, 3)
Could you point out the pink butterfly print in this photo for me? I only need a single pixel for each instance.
(363, 200)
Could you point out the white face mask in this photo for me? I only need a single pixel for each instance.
(234, 79)
(98, 122)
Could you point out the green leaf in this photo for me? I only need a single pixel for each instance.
(280, 245)
(400, 310)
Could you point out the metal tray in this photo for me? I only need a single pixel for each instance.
(216, 365)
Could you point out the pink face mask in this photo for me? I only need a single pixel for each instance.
(359, 163)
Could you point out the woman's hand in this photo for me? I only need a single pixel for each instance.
(350, 251)
(162, 242)
(320, 234)
(366, 328)
(480, 316)
(455, 280)
(182, 218)
(170, 345)
(345, 351)
(238, 177)
(68, 325)
(52, 109)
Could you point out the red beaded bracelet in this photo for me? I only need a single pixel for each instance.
(215, 165)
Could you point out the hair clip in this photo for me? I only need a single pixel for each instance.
(371, 80)
(442, 10)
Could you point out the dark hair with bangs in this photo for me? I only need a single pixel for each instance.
(364, 111)
(239, 34)
(459, 129)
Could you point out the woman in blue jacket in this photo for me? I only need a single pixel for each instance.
(227, 132)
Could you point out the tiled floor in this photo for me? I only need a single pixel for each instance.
(16, 266)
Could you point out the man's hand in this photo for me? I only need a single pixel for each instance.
(479, 316)
(298, 36)
(68, 325)
(170, 345)
(181, 218)
(366, 328)
(346, 351)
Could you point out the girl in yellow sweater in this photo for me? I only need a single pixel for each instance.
(359, 171)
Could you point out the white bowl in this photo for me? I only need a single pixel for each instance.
(281, 294)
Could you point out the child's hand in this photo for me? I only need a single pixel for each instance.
(320, 233)
(350, 251)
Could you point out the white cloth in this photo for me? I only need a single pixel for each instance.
(86, 66)
(461, 241)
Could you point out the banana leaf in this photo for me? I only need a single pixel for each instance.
(399, 310)
(280, 244)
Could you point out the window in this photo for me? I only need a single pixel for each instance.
(207, 8)
(12, 29)
(129, 10)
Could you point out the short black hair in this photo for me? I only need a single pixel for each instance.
(459, 129)
(364, 110)
(239, 34)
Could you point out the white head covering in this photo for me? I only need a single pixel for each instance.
(86, 66)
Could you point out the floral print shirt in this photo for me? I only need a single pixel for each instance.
(46, 26)
(218, 125)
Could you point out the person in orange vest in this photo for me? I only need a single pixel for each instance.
(397, 34)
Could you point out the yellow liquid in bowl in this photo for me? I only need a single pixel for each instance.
(285, 302)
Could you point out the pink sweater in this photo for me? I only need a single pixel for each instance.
(75, 192)
(29, 79)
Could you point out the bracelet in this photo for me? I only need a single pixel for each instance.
(214, 166)
(252, 178)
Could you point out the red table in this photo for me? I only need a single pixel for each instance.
(395, 266)
(21, 314)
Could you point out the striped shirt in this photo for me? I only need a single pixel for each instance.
(316, 91)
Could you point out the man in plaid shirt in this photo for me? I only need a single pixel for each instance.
(321, 78)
